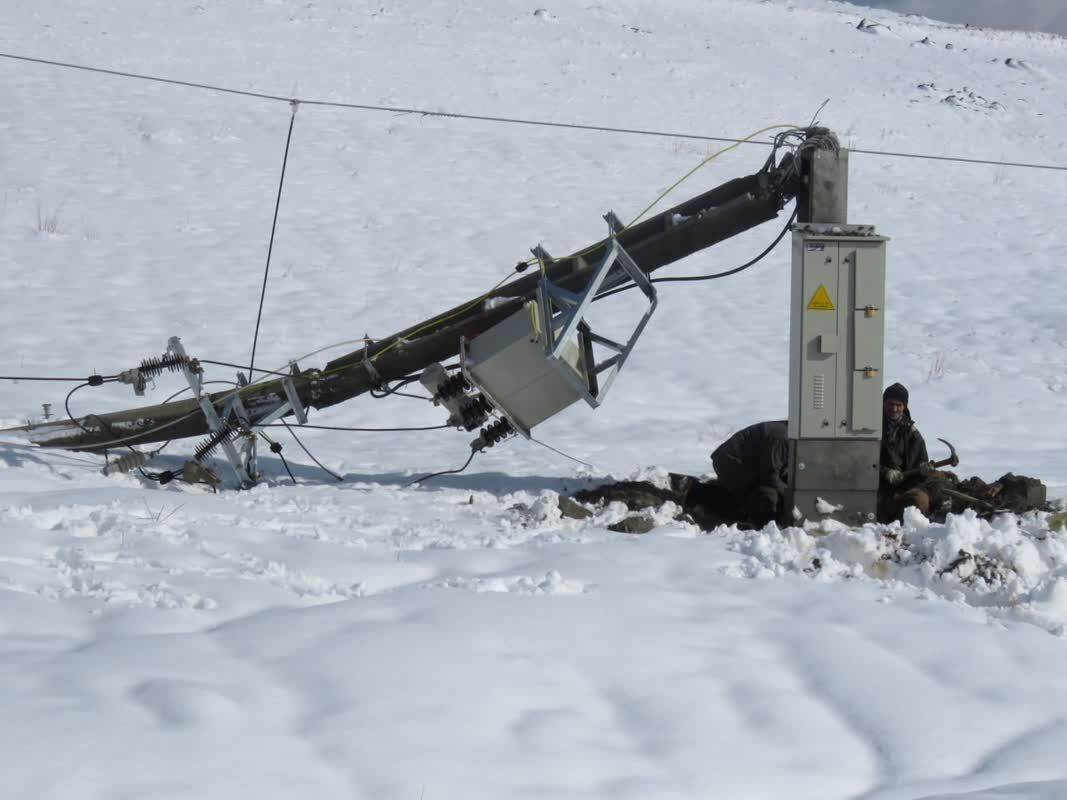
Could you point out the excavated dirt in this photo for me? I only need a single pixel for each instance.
(709, 505)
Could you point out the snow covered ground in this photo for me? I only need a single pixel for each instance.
(371, 639)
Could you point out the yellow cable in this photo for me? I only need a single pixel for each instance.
(707, 160)
(682, 180)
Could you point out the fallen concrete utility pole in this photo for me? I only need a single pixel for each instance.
(694, 225)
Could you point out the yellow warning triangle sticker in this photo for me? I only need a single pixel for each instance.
(821, 301)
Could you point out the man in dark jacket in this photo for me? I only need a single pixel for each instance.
(752, 465)
(904, 460)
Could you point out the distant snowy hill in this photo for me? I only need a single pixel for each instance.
(460, 640)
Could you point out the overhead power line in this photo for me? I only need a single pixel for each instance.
(499, 119)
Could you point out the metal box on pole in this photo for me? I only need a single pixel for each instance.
(837, 344)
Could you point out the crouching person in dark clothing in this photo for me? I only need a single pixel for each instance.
(752, 465)
(905, 464)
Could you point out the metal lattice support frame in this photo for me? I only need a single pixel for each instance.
(242, 455)
(563, 310)
(243, 462)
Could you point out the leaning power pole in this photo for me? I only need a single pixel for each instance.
(698, 223)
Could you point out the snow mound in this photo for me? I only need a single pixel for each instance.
(1012, 564)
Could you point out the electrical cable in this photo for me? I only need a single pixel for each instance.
(423, 112)
(445, 471)
(273, 228)
(196, 412)
(24, 446)
(66, 406)
(704, 163)
(276, 448)
(244, 367)
(394, 393)
(735, 270)
(358, 430)
(159, 477)
(815, 116)
(284, 462)
(87, 381)
(560, 452)
(323, 467)
(673, 186)
(395, 390)
(713, 276)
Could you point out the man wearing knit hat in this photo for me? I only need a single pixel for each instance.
(904, 460)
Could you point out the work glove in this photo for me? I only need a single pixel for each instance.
(927, 469)
(893, 476)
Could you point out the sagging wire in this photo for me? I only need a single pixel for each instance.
(66, 400)
(387, 391)
(380, 393)
(360, 430)
(470, 458)
(244, 367)
(704, 163)
(322, 466)
(88, 381)
(137, 459)
(199, 412)
(426, 112)
(714, 275)
(24, 446)
(560, 452)
(490, 436)
(276, 448)
(747, 140)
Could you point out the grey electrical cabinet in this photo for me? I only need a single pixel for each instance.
(508, 364)
(837, 343)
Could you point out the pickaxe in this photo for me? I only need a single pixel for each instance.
(971, 501)
(952, 461)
